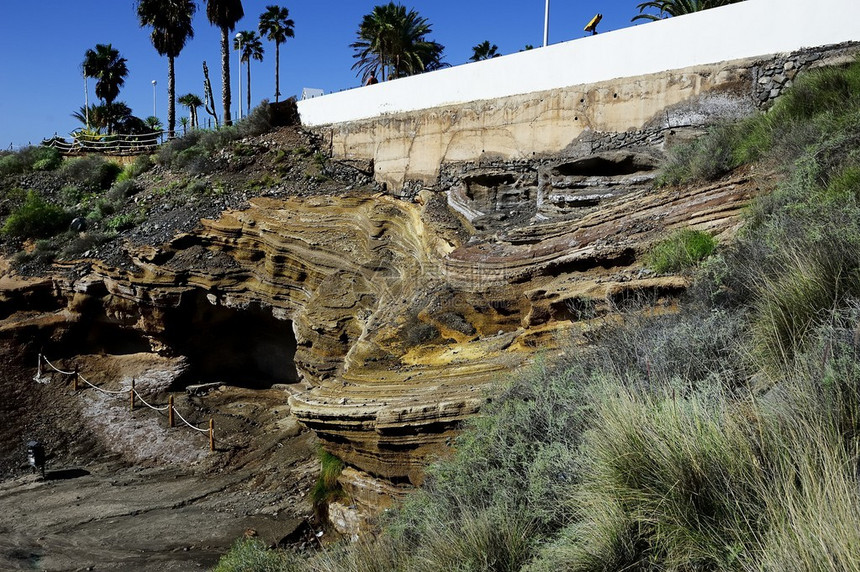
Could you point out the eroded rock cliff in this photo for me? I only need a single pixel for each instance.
(389, 318)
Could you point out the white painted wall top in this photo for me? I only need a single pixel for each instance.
(737, 31)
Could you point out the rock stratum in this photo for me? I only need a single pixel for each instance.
(388, 319)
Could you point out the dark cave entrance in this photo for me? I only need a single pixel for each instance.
(246, 347)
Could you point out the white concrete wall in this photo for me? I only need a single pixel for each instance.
(747, 29)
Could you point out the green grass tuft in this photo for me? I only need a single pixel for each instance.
(682, 250)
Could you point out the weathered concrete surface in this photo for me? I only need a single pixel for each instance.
(412, 146)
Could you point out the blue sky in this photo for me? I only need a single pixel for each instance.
(43, 44)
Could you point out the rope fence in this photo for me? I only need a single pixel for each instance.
(132, 392)
(116, 144)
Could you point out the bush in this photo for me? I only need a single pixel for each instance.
(680, 251)
(491, 540)
(47, 159)
(521, 450)
(704, 159)
(29, 159)
(91, 173)
(257, 122)
(36, 218)
(252, 555)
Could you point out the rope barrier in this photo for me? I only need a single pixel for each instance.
(189, 424)
(105, 391)
(154, 408)
(169, 407)
(55, 368)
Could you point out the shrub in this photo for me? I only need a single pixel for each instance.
(36, 218)
(382, 554)
(91, 173)
(704, 159)
(46, 159)
(257, 122)
(125, 221)
(252, 555)
(493, 540)
(666, 480)
(29, 159)
(680, 251)
(696, 349)
(81, 243)
(521, 450)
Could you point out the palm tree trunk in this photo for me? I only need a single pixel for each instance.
(225, 75)
(248, 63)
(277, 71)
(171, 97)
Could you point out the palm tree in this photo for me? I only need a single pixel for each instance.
(677, 7)
(276, 26)
(104, 116)
(251, 47)
(192, 102)
(224, 14)
(153, 123)
(109, 69)
(484, 51)
(393, 41)
(170, 21)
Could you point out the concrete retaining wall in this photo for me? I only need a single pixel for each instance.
(719, 62)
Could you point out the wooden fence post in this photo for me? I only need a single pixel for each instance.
(131, 394)
(211, 434)
(170, 411)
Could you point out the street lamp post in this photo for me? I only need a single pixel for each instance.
(546, 25)
(239, 73)
(86, 101)
(154, 108)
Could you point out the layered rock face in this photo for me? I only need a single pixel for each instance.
(395, 317)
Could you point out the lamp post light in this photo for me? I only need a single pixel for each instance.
(239, 73)
(154, 108)
(546, 25)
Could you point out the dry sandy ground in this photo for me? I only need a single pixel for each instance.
(125, 492)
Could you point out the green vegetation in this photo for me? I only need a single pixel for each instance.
(29, 159)
(327, 489)
(170, 21)
(194, 152)
(484, 51)
(91, 173)
(276, 25)
(682, 250)
(251, 555)
(822, 108)
(36, 218)
(392, 42)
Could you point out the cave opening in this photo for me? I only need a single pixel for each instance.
(605, 166)
(246, 347)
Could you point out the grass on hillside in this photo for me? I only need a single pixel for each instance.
(680, 251)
